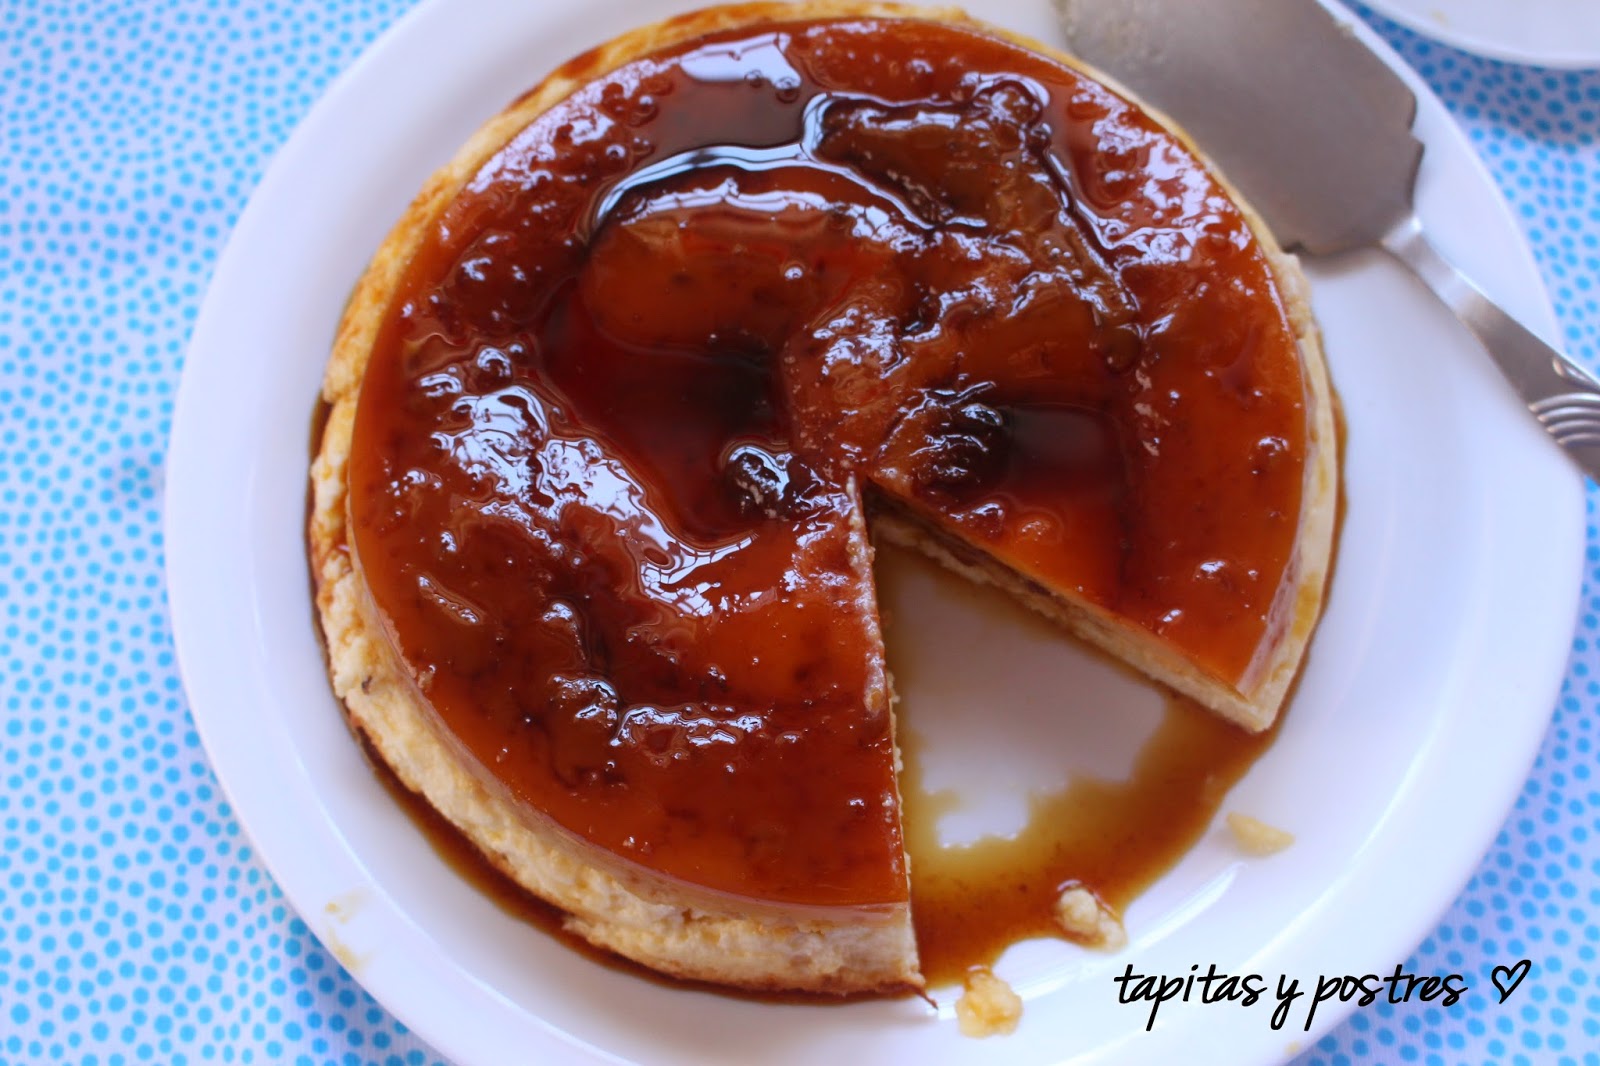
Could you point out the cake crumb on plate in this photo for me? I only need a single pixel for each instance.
(1088, 919)
(1257, 837)
(988, 1006)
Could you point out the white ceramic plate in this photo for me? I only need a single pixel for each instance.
(1426, 696)
(1551, 33)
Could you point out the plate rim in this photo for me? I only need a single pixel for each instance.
(188, 607)
(1474, 41)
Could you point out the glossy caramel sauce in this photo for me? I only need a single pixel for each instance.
(604, 483)
(970, 902)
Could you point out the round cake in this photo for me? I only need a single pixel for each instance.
(619, 406)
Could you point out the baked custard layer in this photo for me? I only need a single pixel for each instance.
(607, 406)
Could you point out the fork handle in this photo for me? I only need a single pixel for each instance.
(1562, 396)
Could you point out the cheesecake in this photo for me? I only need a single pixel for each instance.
(622, 404)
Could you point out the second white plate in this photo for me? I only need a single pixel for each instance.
(1550, 33)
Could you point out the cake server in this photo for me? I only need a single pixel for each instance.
(1315, 130)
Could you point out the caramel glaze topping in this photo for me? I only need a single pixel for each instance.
(606, 473)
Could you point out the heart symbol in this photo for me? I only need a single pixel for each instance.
(1507, 978)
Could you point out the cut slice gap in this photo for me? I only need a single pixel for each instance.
(1030, 760)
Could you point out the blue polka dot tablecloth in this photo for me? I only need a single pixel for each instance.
(136, 925)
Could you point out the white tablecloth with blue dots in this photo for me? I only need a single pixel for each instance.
(136, 925)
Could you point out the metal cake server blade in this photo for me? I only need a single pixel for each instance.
(1315, 130)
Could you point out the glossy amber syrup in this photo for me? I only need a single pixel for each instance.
(606, 458)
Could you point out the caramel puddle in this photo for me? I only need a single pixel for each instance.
(1116, 834)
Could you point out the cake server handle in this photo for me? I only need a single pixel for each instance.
(1563, 396)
